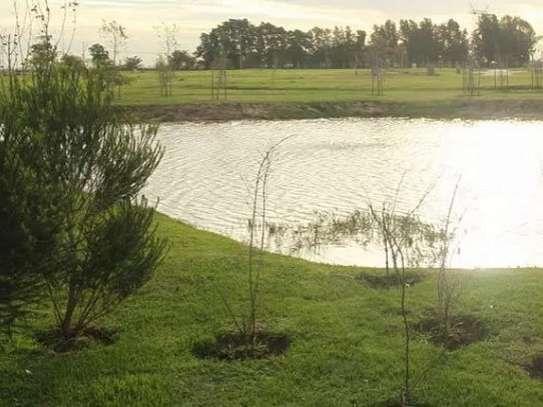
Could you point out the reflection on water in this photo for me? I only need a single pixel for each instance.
(341, 165)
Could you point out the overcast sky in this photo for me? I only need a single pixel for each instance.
(196, 16)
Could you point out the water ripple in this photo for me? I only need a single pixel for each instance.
(340, 165)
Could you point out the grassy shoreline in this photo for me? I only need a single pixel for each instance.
(346, 339)
(447, 110)
(309, 94)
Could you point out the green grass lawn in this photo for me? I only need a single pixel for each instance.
(305, 86)
(346, 340)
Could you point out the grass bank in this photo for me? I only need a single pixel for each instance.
(346, 340)
(304, 94)
(448, 109)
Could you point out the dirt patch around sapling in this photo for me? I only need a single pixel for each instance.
(59, 343)
(535, 368)
(464, 330)
(391, 280)
(398, 403)
(235, 346)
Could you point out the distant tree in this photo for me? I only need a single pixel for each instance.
(165, 76)
(207, 50)
(132, 63)
(116, 35)
(111, 76)
(181, 60)
(384, 42)
(238, 43)
(42, 52)
(421, 41)
(486, 38)
(99, 55)
(274, 41)
(167, 34)
(338, 49)
(351, 48)
(453, 43)
(74, 62)
(242, 40)
(261, 33)
(518, 40)
(343, 47)
(322, 47)
(231, 44)
(236, 39)
(428, 42)
(360, 48)
(509, 40)
(409, 36)
(299, 47)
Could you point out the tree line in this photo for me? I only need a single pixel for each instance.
(236, 44)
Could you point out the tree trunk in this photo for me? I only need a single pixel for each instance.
(387, 266)
(71, 304)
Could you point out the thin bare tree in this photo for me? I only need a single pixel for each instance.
(448, 281)
(116, 35)
(167, 35)
(247, 323)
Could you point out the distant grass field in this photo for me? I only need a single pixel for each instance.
(346, 340)
(310, 86)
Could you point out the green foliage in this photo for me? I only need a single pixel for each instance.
(73, 62)
(384, 42)
(181, 60)
(28, 222)
(110, 76)
(99, 55)
(509, 41)
(76, 169)
(426, 43)
(239, 44)
(132, 63)
(41, 53)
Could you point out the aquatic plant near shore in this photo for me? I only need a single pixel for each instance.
(407, 241)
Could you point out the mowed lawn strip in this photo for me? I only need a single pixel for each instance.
(314, 85)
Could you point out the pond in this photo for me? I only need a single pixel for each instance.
(341, 165)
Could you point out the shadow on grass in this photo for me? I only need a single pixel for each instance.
(464, 330)
(398, 403)
(391, 280)
(535, 368)
(39, 373)
(55, 341)
(234, 346)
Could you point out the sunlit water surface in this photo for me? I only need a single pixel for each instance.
(341, 165)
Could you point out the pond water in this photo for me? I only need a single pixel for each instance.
(341, 165)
